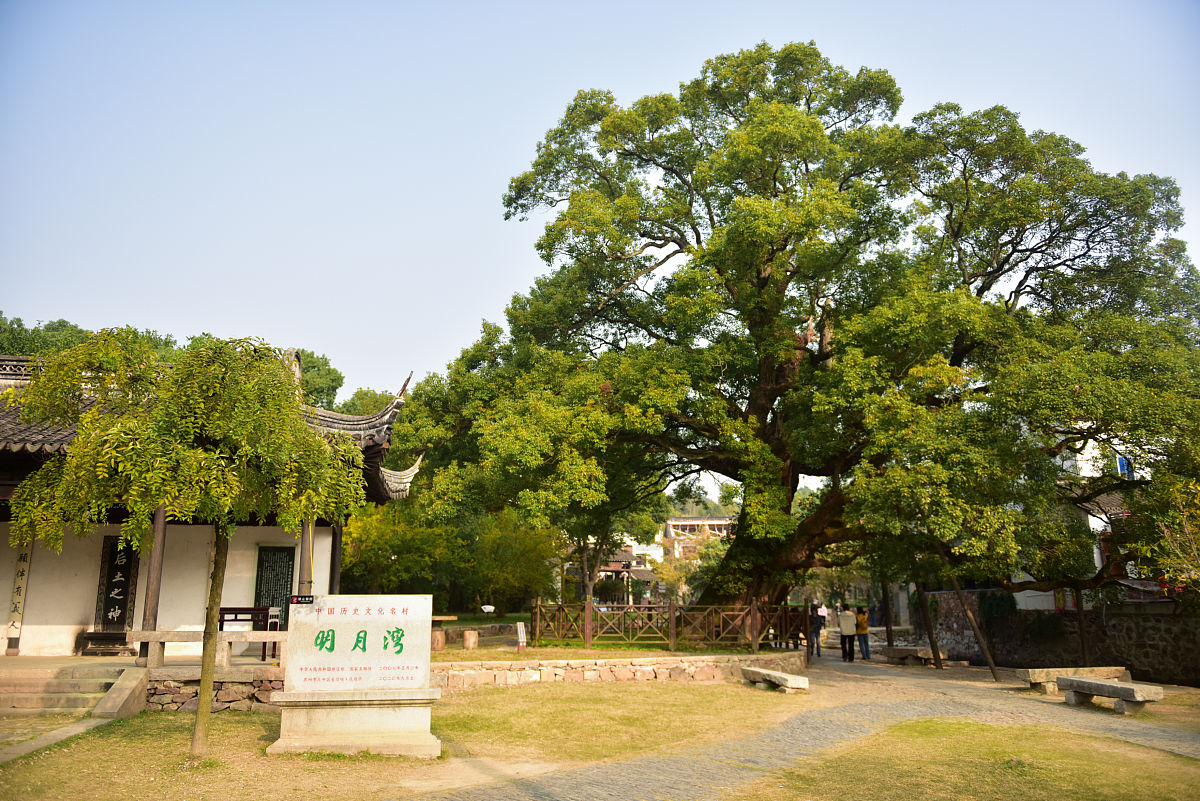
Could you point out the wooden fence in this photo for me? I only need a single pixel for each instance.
(645, 624)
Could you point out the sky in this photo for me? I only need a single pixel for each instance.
(328, 175)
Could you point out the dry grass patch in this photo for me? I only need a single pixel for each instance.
(943, 760)
(16, 729)
(1179, 709)
(586, 722)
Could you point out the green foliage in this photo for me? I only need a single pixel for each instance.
(512, 561)
(708, 565)
(387, 549)
(16, 339)
(365, 401)
(214, 433)
(319, 379)
(763, 277)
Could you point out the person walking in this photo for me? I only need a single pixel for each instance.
(847, 624)
(863, 633)
(815, 624)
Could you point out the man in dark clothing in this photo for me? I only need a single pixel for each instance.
(815, 624)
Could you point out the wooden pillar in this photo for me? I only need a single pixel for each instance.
(153, 572)
(587, 622)
(672, 631)
(335, 561)
(885, 608)
(1083, 633)
(755, 625)
(305, 584)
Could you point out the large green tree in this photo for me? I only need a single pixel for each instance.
(764, 277)
(214, 435)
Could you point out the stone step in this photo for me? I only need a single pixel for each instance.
(9, 685)
(50, 700)
(80, 672)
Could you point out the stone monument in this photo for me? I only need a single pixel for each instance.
(356, 677)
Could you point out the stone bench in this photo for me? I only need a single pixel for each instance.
(762, 678)
(1130, 697)
(158, 640)
(1043, 679)
(901, 655)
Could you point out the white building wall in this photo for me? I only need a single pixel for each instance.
(61, 595)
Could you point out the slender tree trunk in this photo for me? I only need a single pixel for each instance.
(209, 659)
(885, 606)
(962, 601)
(1084, 647)
(927, 621)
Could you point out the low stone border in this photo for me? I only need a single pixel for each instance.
(451, 676)
(250, 688)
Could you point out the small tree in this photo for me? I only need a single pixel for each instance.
(213, 434)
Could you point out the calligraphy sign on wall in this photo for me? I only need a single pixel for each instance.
(16, 608)
(359, 642)
(118, 586)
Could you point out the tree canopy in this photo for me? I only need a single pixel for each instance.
(214, 433)
(764, 277)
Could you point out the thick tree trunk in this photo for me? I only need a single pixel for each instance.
(927, 621)
(768, 560)
(208, 660)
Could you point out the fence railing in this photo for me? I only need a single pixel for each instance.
(644, 624)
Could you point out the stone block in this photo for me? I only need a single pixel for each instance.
(643, 673)
(623, 673)
(245, 705)
(678, 673)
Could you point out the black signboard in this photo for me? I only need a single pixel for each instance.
(118, 586)
(273, 585)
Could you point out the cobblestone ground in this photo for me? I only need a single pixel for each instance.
(853, 701)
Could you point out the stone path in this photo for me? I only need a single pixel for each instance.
(857, 700)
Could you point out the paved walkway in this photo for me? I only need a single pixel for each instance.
(878, 696)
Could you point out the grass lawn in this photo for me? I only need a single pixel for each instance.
(522, 730)
(492, 734)
(964, 761)
(1179, 708)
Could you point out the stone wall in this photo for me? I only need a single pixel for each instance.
(238, 688)
(242, 688)
(1153, 644)
(451, 676)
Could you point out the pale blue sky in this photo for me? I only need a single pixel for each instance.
(328, 175)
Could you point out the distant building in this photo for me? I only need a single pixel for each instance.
(683, 537)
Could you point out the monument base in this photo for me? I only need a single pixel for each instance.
(389, 722)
